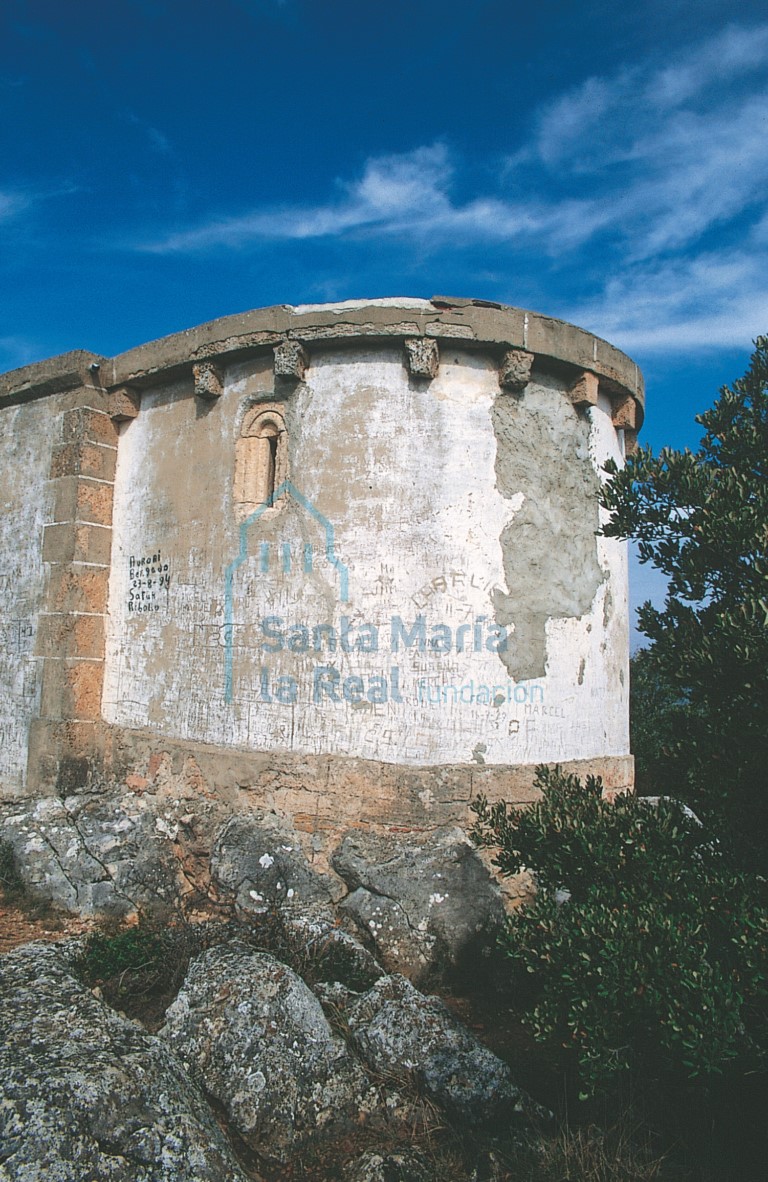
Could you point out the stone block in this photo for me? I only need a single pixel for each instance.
(62, 634)
(584, 391)
(291, 360)
(77, 542)
(515, 370)
(84, 424)
(78, 588)
(422, 356)
(624, 413)
(84, 459)
(57, 749)
(81, 498)
(209, 380)
(124, 404)
(71, 688)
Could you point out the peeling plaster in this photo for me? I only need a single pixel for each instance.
(549, 545)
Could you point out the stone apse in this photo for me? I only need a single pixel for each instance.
(342, 561)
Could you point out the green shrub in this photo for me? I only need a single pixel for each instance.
(656, 960)
(139, 969)
(130, 950)
(701, 519)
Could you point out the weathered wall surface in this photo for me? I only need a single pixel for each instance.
(444, 530)
(423, 609)
(26, 440)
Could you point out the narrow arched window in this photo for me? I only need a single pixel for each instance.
(261, 460)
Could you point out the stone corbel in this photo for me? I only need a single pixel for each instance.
(624, 413)
(291, 360)
(209, 380)
(123, 404)
(422, 356)
(584, 391)
(515, 370)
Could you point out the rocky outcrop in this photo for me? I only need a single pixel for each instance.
(91, 855)
(400, 1032)
(250, 1029)
(258, 861)
(424, 905)
(398, 1166)
(87, 1094)
(427, 904)
(346, 1070)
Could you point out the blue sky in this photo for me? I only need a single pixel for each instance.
(166, 162)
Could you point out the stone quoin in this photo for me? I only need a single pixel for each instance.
(344, 560)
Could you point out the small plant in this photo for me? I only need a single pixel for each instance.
(621, 1153)
(646, 950)
(130, 950)
(139, 969)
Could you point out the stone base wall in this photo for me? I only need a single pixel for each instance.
(323, 796)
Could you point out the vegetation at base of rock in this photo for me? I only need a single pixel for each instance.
(701, 518)
(11, 882)
(139, 967)
(621, 1153)
(438, 1153)
(654, 963)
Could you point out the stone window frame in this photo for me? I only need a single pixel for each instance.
(261, 460)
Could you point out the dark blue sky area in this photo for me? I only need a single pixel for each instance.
(162, 164)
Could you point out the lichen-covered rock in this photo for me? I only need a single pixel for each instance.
(87, 1096)
(400, 1032)
(257, 859)
(331, 953)
(396, 1166)
(94, 854)
(427, 904)
(249, 1027)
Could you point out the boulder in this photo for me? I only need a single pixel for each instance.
(86, 1094)
(427, 904)
(252, 1031)
(396, 1166)
(257, 860)
(95, 854)
(403, 1034)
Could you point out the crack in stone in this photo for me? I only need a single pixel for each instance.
(57, 858)
(108, 876)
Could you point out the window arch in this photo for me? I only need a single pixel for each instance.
(261, 459)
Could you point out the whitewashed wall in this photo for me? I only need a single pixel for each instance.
(405, 475)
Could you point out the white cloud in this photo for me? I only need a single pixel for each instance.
(406, 194)
(669, 152)
(12, 204)
(629, 175)
(16, 201)
(662, 171)
(711, 300)
(730, 54)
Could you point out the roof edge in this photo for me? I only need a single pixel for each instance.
(474, 322)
